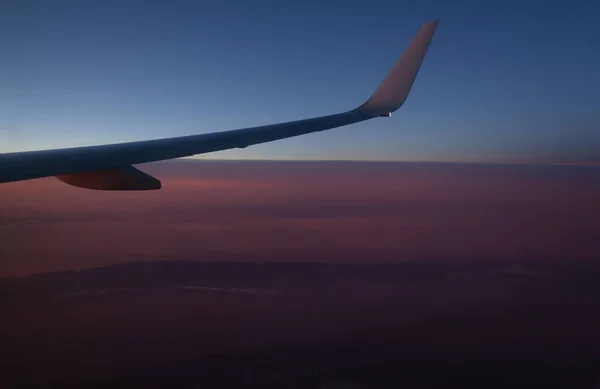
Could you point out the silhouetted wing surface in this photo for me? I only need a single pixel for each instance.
(109, 167)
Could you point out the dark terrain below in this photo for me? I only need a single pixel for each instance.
(305, 325)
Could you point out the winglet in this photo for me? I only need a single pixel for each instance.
(393, 91)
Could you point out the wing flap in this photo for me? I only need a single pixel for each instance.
(123, 178)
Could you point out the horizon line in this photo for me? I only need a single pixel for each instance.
(472, 162)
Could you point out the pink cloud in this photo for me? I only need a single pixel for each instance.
(305, 211)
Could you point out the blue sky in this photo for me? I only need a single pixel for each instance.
(503, 81)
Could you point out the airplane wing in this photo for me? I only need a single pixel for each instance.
(110, 167)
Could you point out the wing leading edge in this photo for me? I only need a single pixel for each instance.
(109, 167)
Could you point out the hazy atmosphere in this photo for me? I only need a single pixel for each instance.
(299, 211)
(454, 244)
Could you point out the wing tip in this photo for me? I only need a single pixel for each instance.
(393, 91)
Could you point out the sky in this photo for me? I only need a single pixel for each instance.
(504, 81)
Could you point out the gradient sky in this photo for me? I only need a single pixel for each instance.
(503, 81)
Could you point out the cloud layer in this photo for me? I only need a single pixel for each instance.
(306, 211)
